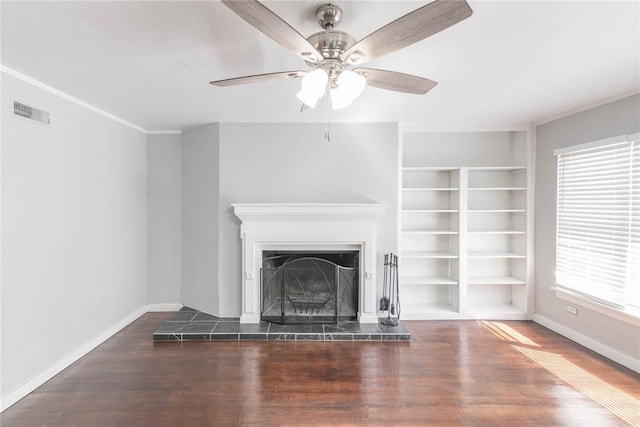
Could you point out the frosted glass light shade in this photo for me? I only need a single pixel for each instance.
(349, 86)
(314, 85)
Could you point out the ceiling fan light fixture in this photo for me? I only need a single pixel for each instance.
(349, 86)
(313, 85)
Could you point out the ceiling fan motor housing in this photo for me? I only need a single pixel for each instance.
(329, 16)
(331, 43)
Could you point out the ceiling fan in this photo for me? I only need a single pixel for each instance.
(335, 56)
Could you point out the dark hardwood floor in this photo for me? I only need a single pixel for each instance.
(470, 373)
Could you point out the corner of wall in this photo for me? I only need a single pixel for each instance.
(199, 217)
(164, 240)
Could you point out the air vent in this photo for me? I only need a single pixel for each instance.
(31, 113)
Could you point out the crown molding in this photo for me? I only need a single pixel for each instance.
(18, 75)
(405, 127)
(585, 107)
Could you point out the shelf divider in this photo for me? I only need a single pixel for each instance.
(463, 224)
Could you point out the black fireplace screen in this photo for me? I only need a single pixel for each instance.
(309, 287)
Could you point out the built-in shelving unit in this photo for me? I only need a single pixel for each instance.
(430, 229)
(464, 227)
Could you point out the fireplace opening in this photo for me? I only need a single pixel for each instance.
(309, 287)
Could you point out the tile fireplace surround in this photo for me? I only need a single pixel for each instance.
(312, 227)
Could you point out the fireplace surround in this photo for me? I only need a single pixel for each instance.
(308, 227)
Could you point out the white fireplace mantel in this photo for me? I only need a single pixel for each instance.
(311, 226)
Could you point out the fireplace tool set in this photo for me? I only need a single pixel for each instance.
(390, 301)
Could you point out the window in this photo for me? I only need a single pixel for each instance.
(598, 221)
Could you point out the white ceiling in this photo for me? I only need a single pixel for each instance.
(150, 62)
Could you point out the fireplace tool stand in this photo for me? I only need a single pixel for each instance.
(390, 301)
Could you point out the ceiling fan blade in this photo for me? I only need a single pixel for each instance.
(263, 19)
(258, 78)
(408, 29)
(399, 82)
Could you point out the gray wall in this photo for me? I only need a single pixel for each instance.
(617, 118)
(73, 231)
(440, 149)
(269, 163)
(200, 194)
(164, 241)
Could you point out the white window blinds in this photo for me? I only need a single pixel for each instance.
(598, 220)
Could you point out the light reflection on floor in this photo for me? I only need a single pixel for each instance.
(617, 401)
(507, 333)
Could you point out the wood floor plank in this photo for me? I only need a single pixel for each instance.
(451, 373)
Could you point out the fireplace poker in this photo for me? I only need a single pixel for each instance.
(395, 262)
(394, 284)
(384, 301)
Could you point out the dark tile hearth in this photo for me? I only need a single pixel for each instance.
(192, 325)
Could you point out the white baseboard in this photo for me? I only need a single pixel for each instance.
(61, 365)
(151, 308)
(590, 343)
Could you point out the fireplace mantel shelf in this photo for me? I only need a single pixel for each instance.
(310, 226)
(309, 211)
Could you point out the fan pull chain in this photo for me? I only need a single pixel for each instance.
(327, 131)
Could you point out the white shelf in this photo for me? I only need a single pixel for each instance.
(428, 255)
(494, 310)
(410, 309)
(428, 211)
(495, 255)
(494, 280)
(497, 311)
(430, 189)
(498, 168)
(496, 232)
(428, 169)
(428, 281)
(423, 232)
(496, 210)
(497, 189)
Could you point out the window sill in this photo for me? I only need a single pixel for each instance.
(630, 316)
